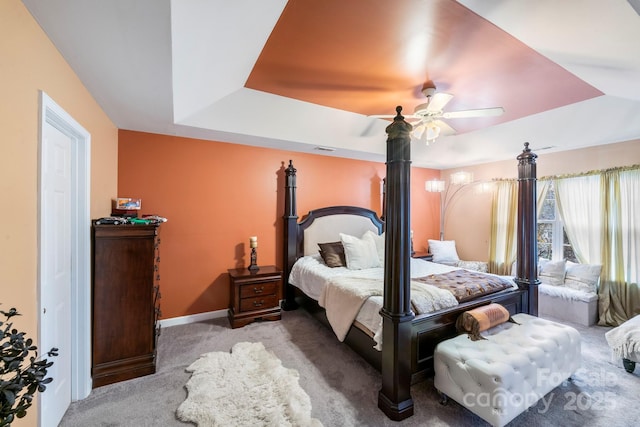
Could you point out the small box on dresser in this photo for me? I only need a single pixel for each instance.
(255, 295)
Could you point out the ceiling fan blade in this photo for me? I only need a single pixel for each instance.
(445, 129)
(438, 100)
(391, 116)
(481, 112)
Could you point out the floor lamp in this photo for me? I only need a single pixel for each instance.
(457, 181)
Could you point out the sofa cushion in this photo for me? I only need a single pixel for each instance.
(552, 272)
(582, 277)
(566, 293)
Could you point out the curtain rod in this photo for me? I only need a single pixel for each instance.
(589, 173)
(573, 175)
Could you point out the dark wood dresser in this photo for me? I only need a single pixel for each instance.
(125, 302)
(254, 295)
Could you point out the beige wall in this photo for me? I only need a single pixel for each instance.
(468, 215)
(30, 63)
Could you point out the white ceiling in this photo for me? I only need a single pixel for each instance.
(179, 68)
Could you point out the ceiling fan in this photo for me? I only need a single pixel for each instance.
(430, 114)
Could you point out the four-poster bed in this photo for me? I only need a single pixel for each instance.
(408, 340)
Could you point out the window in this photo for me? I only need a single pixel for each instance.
(553, 242)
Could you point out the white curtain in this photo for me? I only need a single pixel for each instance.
(541, 192)
(629, 225)
(600, 214)
(504, 222)
(580, 203)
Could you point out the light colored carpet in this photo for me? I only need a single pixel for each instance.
(246, 387)
(344, 388)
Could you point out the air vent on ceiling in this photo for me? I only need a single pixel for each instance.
(320, 148)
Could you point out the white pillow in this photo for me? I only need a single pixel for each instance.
(360, 253)
(551, 272)
(443, 250)
(379, 241)
(582, 277)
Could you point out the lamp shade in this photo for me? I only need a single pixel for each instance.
(434, 186)
(461, 178)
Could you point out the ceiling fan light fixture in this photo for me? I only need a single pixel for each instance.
(418, 131)
(426, 132)
(432, 132)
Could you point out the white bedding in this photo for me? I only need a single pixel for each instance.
(311, 275)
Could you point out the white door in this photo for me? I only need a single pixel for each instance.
(64, 273)
(56, 274)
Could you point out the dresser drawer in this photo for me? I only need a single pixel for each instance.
(258, 289)
(258, 303)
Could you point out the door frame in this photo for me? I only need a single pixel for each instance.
(52, 114)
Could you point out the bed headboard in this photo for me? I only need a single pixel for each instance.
(325, 225)
(318, 226)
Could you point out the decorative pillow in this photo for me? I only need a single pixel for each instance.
(582, 277)
(482, 318)
(360, 253)
(443, 250)
(481, 266)
(333, 254)
(551, 272)
(379, 241)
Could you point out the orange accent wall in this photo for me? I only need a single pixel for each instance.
(215, 195)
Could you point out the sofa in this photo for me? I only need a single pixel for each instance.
(568, 291)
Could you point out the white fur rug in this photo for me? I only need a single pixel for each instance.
(247, 387)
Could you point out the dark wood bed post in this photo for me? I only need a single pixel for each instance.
(394, 398)
(290, 229)
(527, 266)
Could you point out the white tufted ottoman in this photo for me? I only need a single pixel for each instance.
(500, 377)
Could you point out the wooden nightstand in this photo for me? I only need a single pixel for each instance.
(423, 255)
(254, 295)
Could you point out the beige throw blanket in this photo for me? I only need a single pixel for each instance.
(342, 298)
(624, 340)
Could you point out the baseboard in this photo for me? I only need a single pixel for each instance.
(192, 318)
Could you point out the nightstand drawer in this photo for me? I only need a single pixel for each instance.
(254, 295)
(258, 303)
(259, 289)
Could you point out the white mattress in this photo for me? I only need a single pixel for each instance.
(310, 274)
